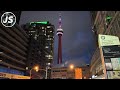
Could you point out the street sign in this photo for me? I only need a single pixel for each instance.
(108, 40)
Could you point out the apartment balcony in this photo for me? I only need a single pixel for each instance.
(11, 45)
(13, 34)
(10, 65)
(12, 39)
(12, 52)
(17, 28)
(11, 58)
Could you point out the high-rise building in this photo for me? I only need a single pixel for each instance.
(106, 23)
(13, 49)
(60, 33)
(41, 44)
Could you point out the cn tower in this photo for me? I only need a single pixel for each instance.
(59, 33)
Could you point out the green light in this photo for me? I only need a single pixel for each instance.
(39, 22)
(108, 17)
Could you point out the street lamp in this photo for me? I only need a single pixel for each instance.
(45, 72)
(71, 66)
(36, 68)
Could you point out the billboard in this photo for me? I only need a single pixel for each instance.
(107, 40)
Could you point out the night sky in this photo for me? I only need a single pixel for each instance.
(78, 42)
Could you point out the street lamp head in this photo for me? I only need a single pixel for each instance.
(71, 66)
(26, 68)
(36, 68)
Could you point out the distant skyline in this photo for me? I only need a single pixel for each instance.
(78, 42)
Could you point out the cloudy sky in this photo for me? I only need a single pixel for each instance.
(78, 42)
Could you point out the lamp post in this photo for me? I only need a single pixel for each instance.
(45, 72)
(36, 68)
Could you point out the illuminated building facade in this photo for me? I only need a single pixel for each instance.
(82, 72)
(62, 73)
(41, 44)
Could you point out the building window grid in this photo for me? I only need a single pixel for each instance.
(102, 21)
(115, 27)
(118, 19)
(117, 22)
(111, 14)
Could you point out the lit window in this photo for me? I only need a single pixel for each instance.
(48, 35)
(49, 39)
(42, 27)
(50, 31)
(46, 55)
(48, 26)
(32, 31)
(46, 47)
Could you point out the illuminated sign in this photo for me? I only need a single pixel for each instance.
(45, 22)
(107, 40)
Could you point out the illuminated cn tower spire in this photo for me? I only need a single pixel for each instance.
(59, 33)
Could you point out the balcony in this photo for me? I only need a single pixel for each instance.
(10, 65)
(12, 39)
(12, 46)
(13, 34)
(13, 59)
(19, 28)
(13, 53)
